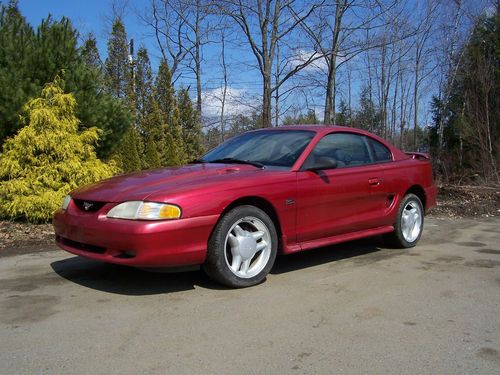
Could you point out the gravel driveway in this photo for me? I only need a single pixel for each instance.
(352, 308)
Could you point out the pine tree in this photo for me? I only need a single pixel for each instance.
(344, 116)
(48, 157)
(117, 66)
(212, 138)
(119, 81)
(129, 155)
(165, 93)
(143, 80)
(57, 47)
(174, 143)
(191, 128)
(28, 60)
(241, 123)
(16, 38)
(154, 132)
(151, 155)
(174, 151)
(368, 116)
(90, 53)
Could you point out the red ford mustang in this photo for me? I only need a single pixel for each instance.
(274, 190)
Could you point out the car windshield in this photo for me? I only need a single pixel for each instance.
(275, 148)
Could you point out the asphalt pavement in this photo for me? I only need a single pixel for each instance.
(354, 308)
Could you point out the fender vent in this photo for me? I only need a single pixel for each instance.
(390, 200)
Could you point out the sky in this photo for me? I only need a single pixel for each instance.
(86, 15)
(94, 16)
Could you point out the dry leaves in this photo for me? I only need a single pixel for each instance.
(468, 201)
(14, 235)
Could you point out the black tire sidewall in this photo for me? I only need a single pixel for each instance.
(398, 232)
(215, 265)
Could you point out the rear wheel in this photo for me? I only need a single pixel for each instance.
(409, 223)
(242, 248)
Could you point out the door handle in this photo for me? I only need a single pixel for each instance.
(374, 181)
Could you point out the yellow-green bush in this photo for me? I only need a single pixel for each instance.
(47, 158)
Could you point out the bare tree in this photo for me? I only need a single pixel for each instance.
(180, 28)
(277, 91)
(224, 86)
(422, 49)
(169, 30)
(290, 90)
(264, 24)
(330, 102)
(328, 45)
(452, 61)
(341, 31)
(195, 14)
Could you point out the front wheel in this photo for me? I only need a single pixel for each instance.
(409, 223)
(242, 248)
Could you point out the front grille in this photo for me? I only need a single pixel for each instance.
(81, 246)
(88, 206)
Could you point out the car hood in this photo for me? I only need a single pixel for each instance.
(164, 181)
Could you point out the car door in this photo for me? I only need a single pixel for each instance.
(345, 199)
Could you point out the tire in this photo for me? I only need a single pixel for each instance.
(409, 223)
(242, 248)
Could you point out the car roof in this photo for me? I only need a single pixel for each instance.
(314, 127)
(319, 128)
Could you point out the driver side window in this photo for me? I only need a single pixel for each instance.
(346, 149)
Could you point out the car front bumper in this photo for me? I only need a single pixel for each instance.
(169, 243)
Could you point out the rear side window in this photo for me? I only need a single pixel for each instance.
(380, 152)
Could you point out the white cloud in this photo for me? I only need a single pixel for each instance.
(490, 10)
(237, 102)
(318, 65)
(302, 56)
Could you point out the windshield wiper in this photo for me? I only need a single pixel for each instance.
(237, 161)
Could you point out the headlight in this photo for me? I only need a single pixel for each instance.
(138, 210)
(65, 202)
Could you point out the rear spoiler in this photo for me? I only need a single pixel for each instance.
(418, 155)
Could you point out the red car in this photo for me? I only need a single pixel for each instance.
(274, 190)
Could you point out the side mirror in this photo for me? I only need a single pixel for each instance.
(323, 163)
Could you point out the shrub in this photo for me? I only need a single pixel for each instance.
(48, 157)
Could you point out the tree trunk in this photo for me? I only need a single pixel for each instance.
(197, 60)
(266, 102)
(349, 89)
(370, 83)
(331, 88)
(383, 78)
(394, 102)
(415, 98)
(334, 93)
(224, 90)
(329, 98)
(277, 94)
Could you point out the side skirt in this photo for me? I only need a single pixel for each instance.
(337, 239)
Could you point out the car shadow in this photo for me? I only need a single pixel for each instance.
(130, 281)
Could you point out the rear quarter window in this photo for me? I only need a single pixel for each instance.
(380, 152)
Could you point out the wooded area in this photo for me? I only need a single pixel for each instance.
(424, 75)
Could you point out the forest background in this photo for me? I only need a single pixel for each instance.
(80, 105)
